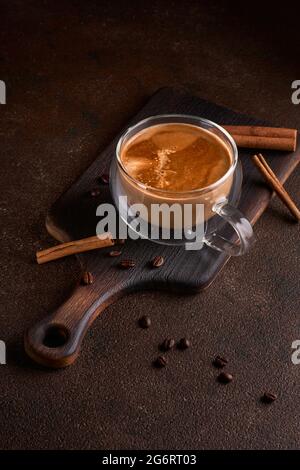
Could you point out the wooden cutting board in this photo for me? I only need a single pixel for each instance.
(55, 341)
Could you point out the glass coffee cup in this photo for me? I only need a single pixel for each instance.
(213, 207)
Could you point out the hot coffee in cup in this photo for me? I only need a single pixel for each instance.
(182, 160)
(176, 158)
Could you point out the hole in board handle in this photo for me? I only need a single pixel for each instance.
(55, 336)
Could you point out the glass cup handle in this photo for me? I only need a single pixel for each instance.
(241, 226)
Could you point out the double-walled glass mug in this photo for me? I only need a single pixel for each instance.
(224, 227)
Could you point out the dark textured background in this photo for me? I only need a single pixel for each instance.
(75, 72)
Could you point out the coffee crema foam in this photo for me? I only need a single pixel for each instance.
(176, 157)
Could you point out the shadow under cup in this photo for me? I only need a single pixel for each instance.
(191, 218)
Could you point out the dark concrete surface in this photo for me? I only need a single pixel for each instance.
(75, 72)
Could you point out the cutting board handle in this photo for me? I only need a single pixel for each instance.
(55, 341)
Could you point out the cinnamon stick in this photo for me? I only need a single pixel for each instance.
(76, 246)
(276, 185)
(273, 138)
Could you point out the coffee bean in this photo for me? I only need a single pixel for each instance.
(225, 378)
(114, 253)
(269, 397)
(95, 192)
(157, 261)
(184, 343)
(104, 179)
(161, 361)
(145, 321)
(220, 362)
(119, 241)
(127, 264)
(168, 344)
(87, 278)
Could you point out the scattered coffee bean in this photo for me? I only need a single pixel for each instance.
(157, 261)
(114, 253)
(220, 362)
(95, 192)
(119, 241)
(225, 378)
(269, 397)
(168, 344)
(104, 179)
(161, 361)
(127, 264)
(87, 278)
(145, 321)
(184, 343)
